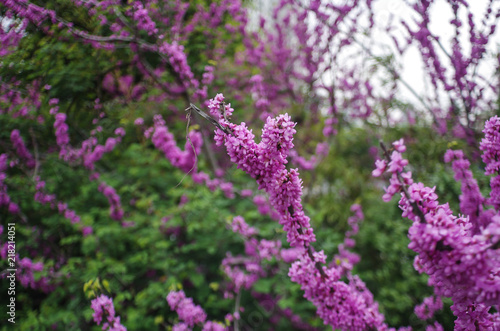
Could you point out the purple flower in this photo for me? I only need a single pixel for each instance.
(188, 312)
(104, 310)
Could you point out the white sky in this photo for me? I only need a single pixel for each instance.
(441, 14)
(411, 63)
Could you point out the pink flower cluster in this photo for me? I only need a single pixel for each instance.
(240, 226)
(433, 327)
(10, 35)
(212, 184)
(26, 269)
(26, 275)
(395, 167)
(21, 150)
(178, 60)
(189, 313)
(62, 137)
(91, 154)
(460, 257)
(266, 163)
(244, 271)
(458, 77)
(428, 307)
(164, 141)
(32, 12)
(185, 159)
(16, 103)
(4, 196)
(490, 145)
(141, 17)
(90, 151)
(259, 94)
(115, 209)
(345, 306)
(264, 207)
(103, 307)
(40, 195)
(471, 199)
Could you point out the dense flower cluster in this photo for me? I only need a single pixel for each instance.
(26, 275)
(88, 154)
(164, 141)
(32, 12)
(11, 35)
(264, 207)
(189, 313)
(185, 160)
(259, 95)
(460, 257)
(4, 196)
(490, 145)
(266, 163)
(471, 199)
(141, 16)
(240, 226)
(26, 269)
(178, 60)
(104, 310)
(22, 152)
(62, 137)
(115, 209)
(91, 151)
(346, 306)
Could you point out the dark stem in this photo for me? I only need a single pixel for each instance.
(208, 118)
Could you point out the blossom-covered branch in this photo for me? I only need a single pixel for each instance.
(459, 253)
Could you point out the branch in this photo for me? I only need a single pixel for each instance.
(414, 205)
(208, 118)
(309, 248)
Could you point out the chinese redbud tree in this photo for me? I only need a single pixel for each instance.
(143, 198)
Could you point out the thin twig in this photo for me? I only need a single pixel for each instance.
(442, 47)
(210, 119)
